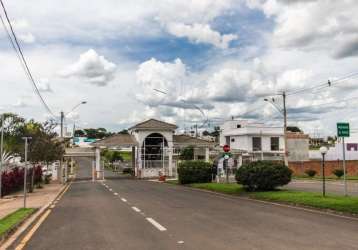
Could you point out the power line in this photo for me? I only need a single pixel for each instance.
(327, 84)
(16, 46)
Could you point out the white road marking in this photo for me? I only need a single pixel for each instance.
(180, 242)
(156, 224)
(124, 200)
(110, 189)
(52, 206)
(115, 193)
(136, 209)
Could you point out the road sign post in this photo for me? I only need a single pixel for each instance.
(343, 131)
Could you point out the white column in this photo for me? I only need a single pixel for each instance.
(170, 149)
(98, 162)
(207, 155)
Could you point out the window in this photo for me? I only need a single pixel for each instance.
(232, 139)
(256, 143)
(275, 144)
(238, 126)
(227, 140)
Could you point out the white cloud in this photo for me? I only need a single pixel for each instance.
(201, 33)
(22, 27)
(167, 77)
(92, 68)
(44, 86)
(313, 25)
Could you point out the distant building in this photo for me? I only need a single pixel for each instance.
(253, 139)
(262, 142)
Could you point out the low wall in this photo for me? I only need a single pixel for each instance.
(299, 168)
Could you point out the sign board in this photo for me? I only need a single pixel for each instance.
(226, 148)
(343, 129)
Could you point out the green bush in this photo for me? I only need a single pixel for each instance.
(194, 172)
(311, 172)
(263, 175)
(128, 171)
(338, 172)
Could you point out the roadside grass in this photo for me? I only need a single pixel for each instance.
(175, 182)
(332, 202)
(226, 188)
(311, 199)
(14, 218)
(329, 178)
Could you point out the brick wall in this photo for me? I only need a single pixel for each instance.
(299, 168)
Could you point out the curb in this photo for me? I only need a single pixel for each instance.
(328, 212)
(11, 230)
(27, 223)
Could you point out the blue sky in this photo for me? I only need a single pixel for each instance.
(223, 56)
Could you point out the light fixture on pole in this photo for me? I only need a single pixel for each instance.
(323, 150)
(283, 112)
(63, 115)
(25, 168)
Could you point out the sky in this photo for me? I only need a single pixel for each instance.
(210, 60)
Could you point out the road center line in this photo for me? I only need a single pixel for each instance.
(156, 224)
(115, 193)
(124, 200)
(136, 209)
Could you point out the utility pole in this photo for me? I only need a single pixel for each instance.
(62, 118)
(25, 169)
(1, 151)
(285, 127)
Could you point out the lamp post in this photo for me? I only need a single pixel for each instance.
(283, 112)
(323, 150)
(25, 169)
(63, 115)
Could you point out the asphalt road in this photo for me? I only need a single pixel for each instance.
(334, 187)
(101, 216)
(84, 169)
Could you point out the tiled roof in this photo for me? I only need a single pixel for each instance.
(118, 140)
(154, 124)
(188, 141)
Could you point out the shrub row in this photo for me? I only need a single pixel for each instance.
(13, 180)
(194, 172)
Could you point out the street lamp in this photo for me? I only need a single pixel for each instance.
(64, 115)
(323, 150)
(283, 112)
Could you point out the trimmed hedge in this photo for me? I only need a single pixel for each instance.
(13, 180)
(263, 175)
(194, 172)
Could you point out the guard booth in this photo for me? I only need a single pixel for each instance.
(155, 148)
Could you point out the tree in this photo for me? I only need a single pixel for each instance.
(205, 133)
(294, 129)
(79, 133)
(187, 153)
(124, 131)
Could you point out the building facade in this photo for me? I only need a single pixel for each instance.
(253, 139)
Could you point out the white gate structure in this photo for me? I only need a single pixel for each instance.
(153, 145)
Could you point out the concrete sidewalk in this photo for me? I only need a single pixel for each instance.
(37, 199)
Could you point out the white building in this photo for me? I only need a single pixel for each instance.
(254, 139)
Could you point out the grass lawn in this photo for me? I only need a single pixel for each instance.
(172, 182)
(12, 219)
(127, 156)
(226, 188)
(334, 202)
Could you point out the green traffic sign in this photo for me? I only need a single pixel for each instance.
(343, 129)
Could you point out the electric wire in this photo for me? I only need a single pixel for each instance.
(16, 45)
